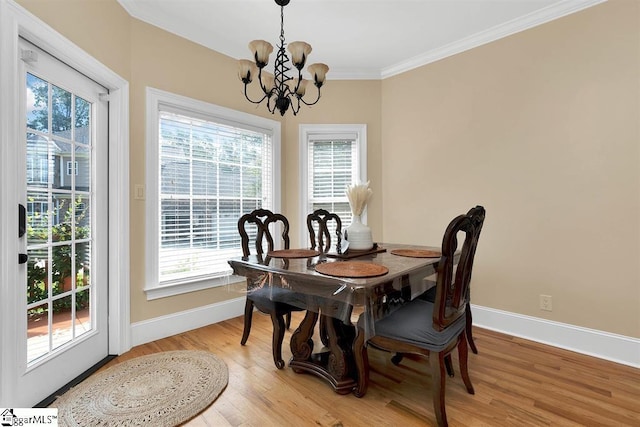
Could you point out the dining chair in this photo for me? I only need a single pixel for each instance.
(320, 226)
(431, 329)
(256, 227)
(477, 217)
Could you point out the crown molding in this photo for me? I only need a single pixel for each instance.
(534, 19)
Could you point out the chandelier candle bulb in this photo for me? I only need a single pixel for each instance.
(299, 87)
(269, 82)
(319, 73)
(246, 70)
(261, 50)
(299, 53)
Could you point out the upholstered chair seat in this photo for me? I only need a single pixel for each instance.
(413, 325)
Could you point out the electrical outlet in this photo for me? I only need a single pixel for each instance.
(546, 303)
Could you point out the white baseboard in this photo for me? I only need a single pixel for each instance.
(603, 345)
(176, 323)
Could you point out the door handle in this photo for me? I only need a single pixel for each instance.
(22, 229)
(22, 220)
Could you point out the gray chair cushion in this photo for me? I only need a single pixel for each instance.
(412, 323)
(270, 298)
(430, 295)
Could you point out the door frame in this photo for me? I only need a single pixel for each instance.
(15, 22)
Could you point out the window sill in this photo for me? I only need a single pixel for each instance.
(163, 291)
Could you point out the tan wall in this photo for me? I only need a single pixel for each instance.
(542, 128)
(342, 102)
(101, 28)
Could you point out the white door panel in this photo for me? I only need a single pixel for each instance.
(61, 321)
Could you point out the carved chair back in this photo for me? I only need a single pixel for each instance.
(265, 223)
(452, 289)
(477, 215)
(320, 220)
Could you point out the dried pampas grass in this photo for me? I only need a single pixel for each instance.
(358, 195)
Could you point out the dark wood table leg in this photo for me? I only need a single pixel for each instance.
(301, 341)
(361, 359)
(335, 362)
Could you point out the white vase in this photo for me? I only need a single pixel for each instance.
(358, 235)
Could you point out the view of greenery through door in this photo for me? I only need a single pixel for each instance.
(58, 139)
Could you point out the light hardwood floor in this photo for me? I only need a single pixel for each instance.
(517, 383)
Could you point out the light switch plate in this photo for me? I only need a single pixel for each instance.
(139, 192)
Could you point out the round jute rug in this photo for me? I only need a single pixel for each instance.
(161, 389)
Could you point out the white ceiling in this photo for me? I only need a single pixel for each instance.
(357, 39)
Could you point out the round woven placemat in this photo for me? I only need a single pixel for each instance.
(352, 269)
(161, 389)
(417, 253)
(293, 253)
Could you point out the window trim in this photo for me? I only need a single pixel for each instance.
(154, 98)
(305, 132)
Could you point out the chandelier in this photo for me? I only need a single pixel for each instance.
(281, 90)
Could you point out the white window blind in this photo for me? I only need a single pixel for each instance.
(331, 169)
(210, 174)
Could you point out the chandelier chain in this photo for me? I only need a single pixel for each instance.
(282, 26)
(281, 67)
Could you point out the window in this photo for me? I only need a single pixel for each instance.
(72, 167)
(331, 158)
(37, 168)
(206, 166)
(37, 214)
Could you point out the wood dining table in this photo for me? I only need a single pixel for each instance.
(330, 287)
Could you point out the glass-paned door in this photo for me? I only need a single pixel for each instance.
(65, 187)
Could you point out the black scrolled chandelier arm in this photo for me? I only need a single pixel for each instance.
(310, 103)
(248, 79)
(246, 95)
